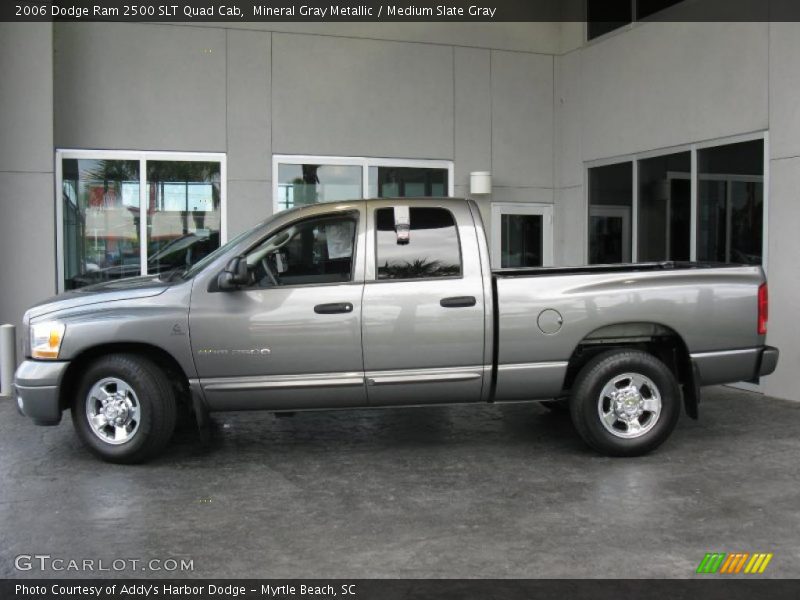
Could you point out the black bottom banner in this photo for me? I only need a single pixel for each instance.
(397, 589)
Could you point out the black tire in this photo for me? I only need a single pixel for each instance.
(585, 407)
(559, 406)
(154, 396)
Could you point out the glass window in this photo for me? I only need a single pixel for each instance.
(521, 240)
(610, 208)
(730, 203)
(102, 228)
(313, 251)
(183, 213)
(101, 220)
(406, 182)
(301, 184)
(432, 250)
(645, 8)
(603, 16)
(665, 207)
(303, 180)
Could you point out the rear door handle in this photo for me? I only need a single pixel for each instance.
(457, 301)
(333, 308)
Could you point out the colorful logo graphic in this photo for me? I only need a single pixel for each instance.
(737, 562)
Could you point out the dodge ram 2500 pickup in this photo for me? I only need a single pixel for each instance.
(389, 302)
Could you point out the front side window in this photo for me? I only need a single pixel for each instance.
(314, 251)
(432, 250)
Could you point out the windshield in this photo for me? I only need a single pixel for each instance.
(209, 258)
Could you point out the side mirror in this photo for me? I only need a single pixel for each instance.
(235, 274)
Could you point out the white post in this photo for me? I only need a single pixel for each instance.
(8, 358)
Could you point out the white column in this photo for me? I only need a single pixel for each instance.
(8, 358)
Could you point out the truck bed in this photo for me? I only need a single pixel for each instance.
(544, 314)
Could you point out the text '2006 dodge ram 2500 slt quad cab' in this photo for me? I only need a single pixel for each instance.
(389, 302)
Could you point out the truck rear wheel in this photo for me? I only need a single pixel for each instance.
(125, 408)
(625, 402)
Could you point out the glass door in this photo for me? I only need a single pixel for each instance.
(522, 235)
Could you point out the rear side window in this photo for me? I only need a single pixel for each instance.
(432, 251)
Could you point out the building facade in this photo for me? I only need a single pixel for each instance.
(133, 147)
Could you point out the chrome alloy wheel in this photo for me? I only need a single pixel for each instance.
(113, 410)
(629, 405)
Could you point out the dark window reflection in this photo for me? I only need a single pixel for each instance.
(610, 210)
(646, 8)
(520, 241)
(730, 203)
(433, 249)
(407, 182)
(603, 16)
(665, 207)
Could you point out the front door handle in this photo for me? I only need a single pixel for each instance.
(457, 301)
(333, 308)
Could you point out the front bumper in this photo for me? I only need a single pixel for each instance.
(36, 387)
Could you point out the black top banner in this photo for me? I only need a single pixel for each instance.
(409, 10)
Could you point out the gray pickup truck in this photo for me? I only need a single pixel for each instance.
(389, 303)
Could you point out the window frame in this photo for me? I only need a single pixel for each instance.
(375, 247)
(142, 156)
(693, 149)
(522, 208)
(356, 161)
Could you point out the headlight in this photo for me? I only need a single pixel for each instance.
(46, 339)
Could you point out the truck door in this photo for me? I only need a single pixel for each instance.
(291, 339)
(423, 311)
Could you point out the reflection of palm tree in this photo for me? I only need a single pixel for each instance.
(161, 172)
(305, 188)
(113, 171)
(417, 269)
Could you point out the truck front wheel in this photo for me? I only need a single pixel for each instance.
(125, 408)
(625, 402)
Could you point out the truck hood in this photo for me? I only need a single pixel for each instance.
(109, 291)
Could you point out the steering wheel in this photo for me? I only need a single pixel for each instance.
(270, 273)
